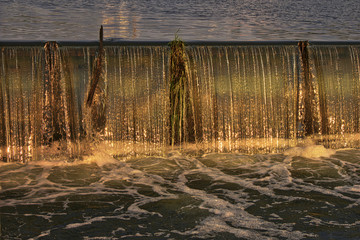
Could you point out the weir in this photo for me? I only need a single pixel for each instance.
(245, 97)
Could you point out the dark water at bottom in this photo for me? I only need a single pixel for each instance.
(305, 193)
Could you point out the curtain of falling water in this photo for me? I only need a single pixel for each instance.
(335, 70)
(249, 96)
(21, 75)
(75, 68)
(138, 99)
(24, 103)
(137, 95)
(244, 98)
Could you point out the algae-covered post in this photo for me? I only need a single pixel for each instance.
(97, 92)
(181, 113)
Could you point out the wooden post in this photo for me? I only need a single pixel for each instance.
(310, 127)
(96, 74)
(97, 93)
(59, 111)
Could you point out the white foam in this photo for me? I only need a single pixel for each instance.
(309, 151)
(355, 188)
(87, 222)
(174, 177)
(100, 158)
(42, 234)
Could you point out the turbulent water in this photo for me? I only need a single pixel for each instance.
(307, 192)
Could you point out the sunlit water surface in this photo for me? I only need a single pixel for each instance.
(195, 20)
(306, 193)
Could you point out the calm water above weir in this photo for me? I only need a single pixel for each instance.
(197, 20)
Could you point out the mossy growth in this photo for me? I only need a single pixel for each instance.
(181, 120)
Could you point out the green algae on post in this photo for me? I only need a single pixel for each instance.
(181, 116)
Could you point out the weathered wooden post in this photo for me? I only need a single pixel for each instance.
(309, 121)
(59, 113)
(96, 98)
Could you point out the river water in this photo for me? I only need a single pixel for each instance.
(193, 19)
(306, 192)
(252, 173)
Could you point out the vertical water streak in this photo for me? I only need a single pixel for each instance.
(355, 59)
(254, 91)
(201, 72)
(149, 131)
(63, 97)
(35, 98)
(20, 112)
(336, 70)
(138, 99)
(70, 103)
(20, 80)
(3, 135)
(231, 128)
(194, 109)
(53, 116)
(317, 60)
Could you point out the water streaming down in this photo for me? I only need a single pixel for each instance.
(43, 101)
(138, 100)
(253, 97)
(249, 97)
(40, 111)
(128, 182)
(335, 73)
(244, 99)
(20, 94)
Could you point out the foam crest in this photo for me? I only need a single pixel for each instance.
(101, 158)
(310, 151)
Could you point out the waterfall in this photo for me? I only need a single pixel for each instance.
(335, 72)
(138, 99)
(243, 98)
(247, 93)
(21, 76)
